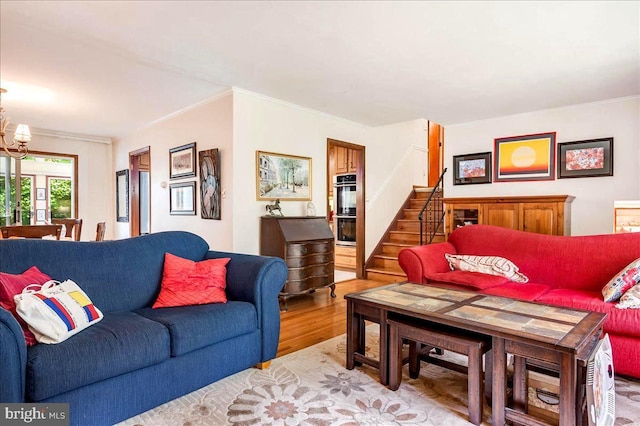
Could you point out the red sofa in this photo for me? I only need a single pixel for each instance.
(562, 271)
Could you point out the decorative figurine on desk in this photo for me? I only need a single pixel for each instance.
(271, 208)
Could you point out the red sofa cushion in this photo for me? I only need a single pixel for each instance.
(529, 291)
(580, 263)
(474, 280)
(619, 321)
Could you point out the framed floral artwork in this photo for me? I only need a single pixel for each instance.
(588, 158)
(472, 168)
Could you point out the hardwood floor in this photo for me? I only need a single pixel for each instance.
(316, 317)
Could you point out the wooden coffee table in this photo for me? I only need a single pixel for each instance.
(552, 335)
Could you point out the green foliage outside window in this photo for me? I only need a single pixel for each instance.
(25, 197)
(60, 198)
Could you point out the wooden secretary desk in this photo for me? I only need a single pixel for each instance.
(543, 214)
(307, 246)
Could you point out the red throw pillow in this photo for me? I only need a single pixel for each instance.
(10, 285)
(185, 282)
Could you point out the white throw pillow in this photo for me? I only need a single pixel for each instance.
(492, 265)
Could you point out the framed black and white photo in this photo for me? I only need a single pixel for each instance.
(472, 168)
(209, 162)
(182, 161)
(588, 158)
(41, 215)
(182, 198)
(41, 193)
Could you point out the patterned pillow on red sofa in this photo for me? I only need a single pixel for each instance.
(622, 282)
(492, 265)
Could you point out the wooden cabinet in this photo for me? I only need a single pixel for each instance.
(307, 246)
(626, 216)
(540, 214)
(345, 258)
(346, 160)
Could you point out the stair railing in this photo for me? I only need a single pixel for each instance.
(433, 206)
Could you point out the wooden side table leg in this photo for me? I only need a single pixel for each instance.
(568, 383)
(384, 348)
(395, 358)
(474, 380)
(414, 359)
(519, 383)
(352, 328)
(499, 381)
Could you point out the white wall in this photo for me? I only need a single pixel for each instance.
(95, 179)
(592, 209)
(266, 124)
(209, 124)
(396, 160)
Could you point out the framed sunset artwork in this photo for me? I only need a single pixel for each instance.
(525, 158)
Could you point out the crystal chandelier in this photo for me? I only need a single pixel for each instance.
(21, 136)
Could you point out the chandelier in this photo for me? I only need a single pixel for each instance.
(21, 136)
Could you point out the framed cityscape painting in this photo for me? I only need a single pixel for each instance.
(283, 177)
(588, 158)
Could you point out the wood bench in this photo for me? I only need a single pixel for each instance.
(433, 336)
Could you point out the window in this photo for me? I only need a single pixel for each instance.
(47, 188)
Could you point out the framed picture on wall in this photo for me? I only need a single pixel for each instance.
(41, 193)
(209, 162)
(41, 215)
(472, 168)
(525, 158)
(182, 198)
(283, 177)
(182, 161)
(589, 158)
(122, 195)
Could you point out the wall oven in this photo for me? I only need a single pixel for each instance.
(345, 194)
(345, 208)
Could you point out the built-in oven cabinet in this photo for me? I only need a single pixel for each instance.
(345, 194)
(345, 230)
(346, 160)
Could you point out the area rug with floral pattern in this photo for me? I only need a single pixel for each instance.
(313, 387)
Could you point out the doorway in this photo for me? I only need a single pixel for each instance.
(347, 160)
(140, 191)
(435, 149)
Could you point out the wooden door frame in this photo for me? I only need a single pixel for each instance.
(134, 189)
(435, 152)
(360, 198)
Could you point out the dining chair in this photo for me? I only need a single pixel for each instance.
(100, 231)
(73, 227)
(31, 231)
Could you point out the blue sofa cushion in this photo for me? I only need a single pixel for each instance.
(131, 268)
(194, 327)
(120, 343)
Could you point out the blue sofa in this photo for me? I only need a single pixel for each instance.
(137, 358)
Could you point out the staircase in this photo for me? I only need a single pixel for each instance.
(403, 232)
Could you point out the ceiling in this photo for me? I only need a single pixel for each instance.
(107, 68)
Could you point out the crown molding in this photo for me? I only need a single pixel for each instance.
(64, 135)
